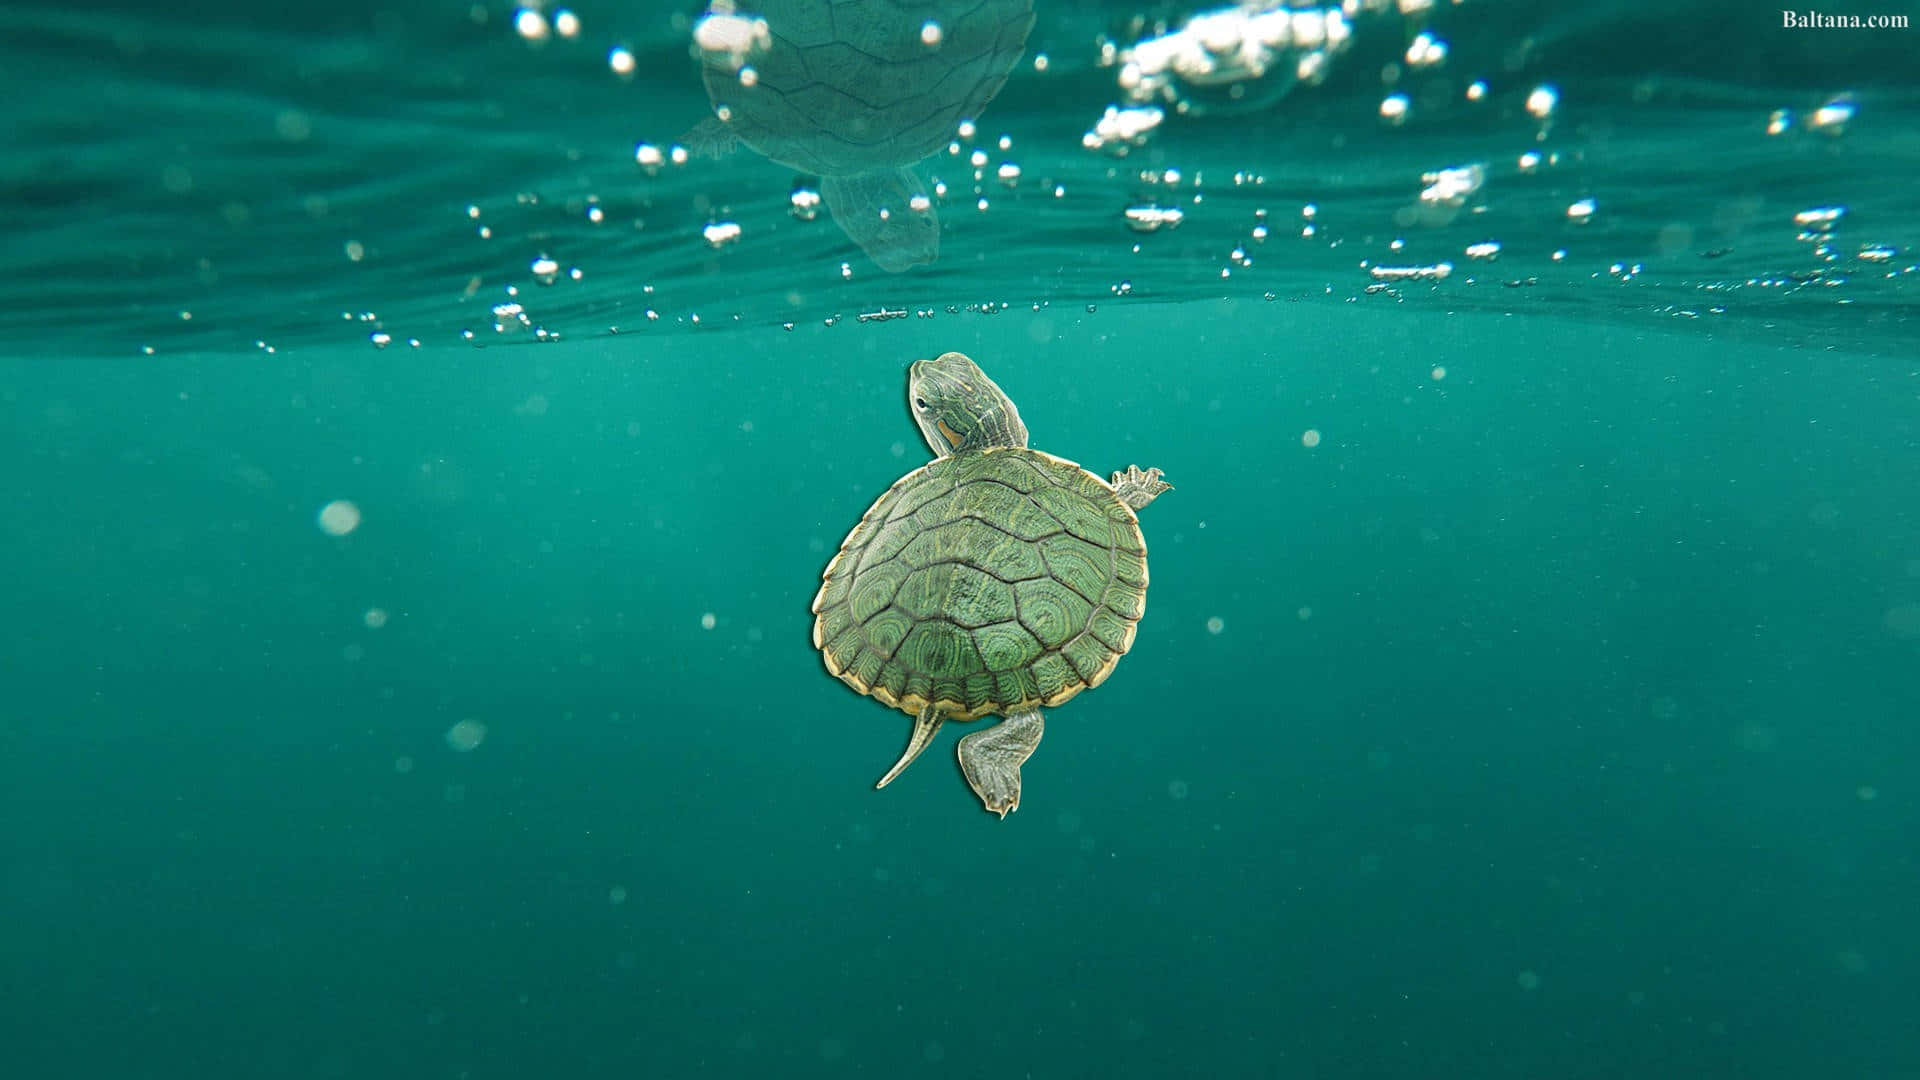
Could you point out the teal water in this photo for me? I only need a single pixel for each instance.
(1552, 715)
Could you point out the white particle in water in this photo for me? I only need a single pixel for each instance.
(1216, 624)
(708, 621)
(1438, 373)
(466, 735)
(1310, 438)
(375, 618)
(339, 517)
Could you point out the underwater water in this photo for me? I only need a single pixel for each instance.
(417, 480)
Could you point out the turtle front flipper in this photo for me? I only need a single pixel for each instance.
(924, 726)
(888, 214)
(991, 759)
(1137, 488)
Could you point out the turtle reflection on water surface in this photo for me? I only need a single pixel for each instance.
(996, 580)
(857, 92)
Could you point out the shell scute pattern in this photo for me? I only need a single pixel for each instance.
(985, 582)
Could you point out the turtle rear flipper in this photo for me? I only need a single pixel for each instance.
(877, 211)
(710, 138)
(991, 759)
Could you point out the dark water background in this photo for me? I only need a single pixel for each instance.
(1554, 716)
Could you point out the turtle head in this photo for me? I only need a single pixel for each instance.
(958, 407)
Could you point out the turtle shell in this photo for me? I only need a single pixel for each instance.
(841, 87)
(987, 582)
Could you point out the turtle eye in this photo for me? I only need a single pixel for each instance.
(920, 403)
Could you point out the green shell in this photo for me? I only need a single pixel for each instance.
(988, 581)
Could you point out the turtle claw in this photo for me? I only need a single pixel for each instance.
(991, 760)
(1137, 488)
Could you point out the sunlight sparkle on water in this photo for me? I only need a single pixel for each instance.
(531, 24)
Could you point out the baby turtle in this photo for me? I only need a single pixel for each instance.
(857, 92)
(995, 580)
